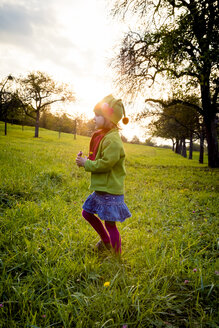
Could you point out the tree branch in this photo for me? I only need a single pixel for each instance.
(175, 102)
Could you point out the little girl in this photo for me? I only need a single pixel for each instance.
(106, 164)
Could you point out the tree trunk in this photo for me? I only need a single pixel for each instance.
(210, 120)
(184, 154)
(23, 120)
(177, 146)
(5, 119)
(173, 145)
(5, 126)
(180, 147)
(211, 136)
(201, 152)
(37, 124)
(191, 145)
(75, 129)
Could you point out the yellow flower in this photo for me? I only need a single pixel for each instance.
(106, 284)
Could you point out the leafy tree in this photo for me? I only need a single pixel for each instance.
(66, 124)
(177, 122)
(47, 120)
(135, 140)
(38, 91)
(62, 122)
(164, 128)
(85, 127)
(7, 98)
(124, 139)
(13, 110)
(149, 142)
(178, 38)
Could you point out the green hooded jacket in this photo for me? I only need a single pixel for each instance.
(108, 168)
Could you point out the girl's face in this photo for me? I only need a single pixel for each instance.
(99, 120)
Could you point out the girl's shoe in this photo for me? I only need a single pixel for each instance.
(101, 246)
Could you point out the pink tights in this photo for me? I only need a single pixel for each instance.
(112, 236)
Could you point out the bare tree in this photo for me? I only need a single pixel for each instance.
(38, 91)
(178, 38)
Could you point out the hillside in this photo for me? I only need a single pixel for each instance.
(50, 277)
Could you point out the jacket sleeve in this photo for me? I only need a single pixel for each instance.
(110, 155)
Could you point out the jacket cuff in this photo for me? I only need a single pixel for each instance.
(86, 165)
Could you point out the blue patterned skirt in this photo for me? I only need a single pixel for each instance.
(107, 206)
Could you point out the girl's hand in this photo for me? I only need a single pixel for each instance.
(80, 161)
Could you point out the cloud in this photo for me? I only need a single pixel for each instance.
(25, 26)
(33, 27)
(38, 29)
(18, 21)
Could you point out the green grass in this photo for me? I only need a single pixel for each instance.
(48, 275)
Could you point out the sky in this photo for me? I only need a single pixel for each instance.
(72, 40)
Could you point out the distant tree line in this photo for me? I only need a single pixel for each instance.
(63, 123)
(57, 122)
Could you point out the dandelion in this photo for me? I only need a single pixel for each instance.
(1, 305)
(186, 281)
(195, 270)
(106, 284)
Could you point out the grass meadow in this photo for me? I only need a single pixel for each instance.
(49, 276)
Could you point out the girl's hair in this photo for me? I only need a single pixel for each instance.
(109, 125)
